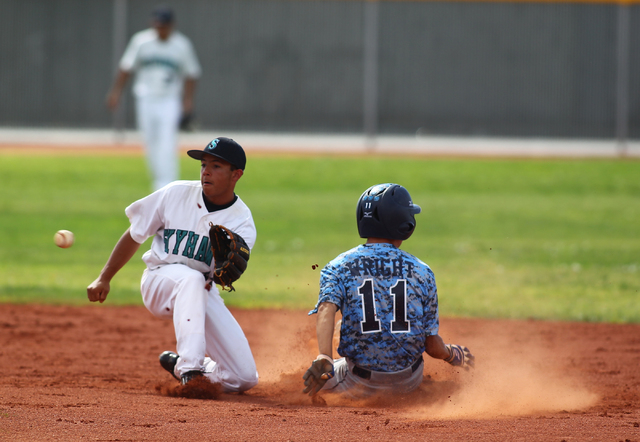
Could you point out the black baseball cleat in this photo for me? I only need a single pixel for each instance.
(188, 376)
(168, 360)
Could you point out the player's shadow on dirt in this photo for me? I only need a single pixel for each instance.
(288, 389)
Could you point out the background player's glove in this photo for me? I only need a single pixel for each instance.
(317, 375)
(460, 356)
(187, 122)
(230, 252)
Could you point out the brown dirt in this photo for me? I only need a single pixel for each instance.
(92, 373)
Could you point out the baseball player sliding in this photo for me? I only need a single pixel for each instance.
(389, 306)
(166, 69)
(188, 254)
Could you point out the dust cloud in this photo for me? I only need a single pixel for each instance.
(516, 374)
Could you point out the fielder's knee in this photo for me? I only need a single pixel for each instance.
(245, 383)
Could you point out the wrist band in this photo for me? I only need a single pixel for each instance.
(451, 354)
(323, 356)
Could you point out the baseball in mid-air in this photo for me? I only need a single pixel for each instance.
(64, 238)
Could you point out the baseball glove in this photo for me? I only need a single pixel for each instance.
(230, 254)
(317, 375)
(460, 356)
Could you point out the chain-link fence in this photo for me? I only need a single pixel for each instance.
(465, 68)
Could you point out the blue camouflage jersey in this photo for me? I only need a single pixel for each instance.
(389, 304)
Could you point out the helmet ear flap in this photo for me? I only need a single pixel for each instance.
(406, 228)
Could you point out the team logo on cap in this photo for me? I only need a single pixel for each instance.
(213, 144)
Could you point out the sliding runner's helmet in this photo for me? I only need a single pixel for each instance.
(386, 211)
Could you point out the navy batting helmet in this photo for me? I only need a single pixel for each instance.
(386, 211)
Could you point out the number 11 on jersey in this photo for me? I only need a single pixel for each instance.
(371, 323)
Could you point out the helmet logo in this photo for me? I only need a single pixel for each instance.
(367, 215)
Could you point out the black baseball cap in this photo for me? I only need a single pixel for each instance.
(163, 15)
(224, 148)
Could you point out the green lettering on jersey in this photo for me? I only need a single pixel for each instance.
(180, 234)
(190, 246)
(168, 233)
(205, 254)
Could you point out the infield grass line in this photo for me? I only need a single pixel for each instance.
(506, 238)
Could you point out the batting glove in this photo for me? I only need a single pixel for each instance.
(460, 356)
(317, 375)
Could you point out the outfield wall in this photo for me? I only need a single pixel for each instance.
(529, 69)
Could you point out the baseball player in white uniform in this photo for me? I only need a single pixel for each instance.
(166, 68)
(210, 342)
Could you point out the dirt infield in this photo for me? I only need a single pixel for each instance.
(92, 373)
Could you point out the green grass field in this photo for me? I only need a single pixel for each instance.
(552, 239)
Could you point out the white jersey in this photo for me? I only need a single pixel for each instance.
(160, 66)
(178, 219)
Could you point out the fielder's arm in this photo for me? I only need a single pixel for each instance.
(121, 254)
(113, 98)
(188, 94)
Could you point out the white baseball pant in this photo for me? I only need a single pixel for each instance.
(203, 326)
(158, 119)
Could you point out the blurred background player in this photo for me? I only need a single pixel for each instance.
(166, 70)
(389, 304)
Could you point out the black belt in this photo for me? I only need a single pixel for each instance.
(366, 374)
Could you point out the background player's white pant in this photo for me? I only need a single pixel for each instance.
(345, 382)
(203, 325)
(158, 119)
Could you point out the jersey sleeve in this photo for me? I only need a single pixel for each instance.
(431, 319)
(145, 216)
(239, 219)
(130, 57)
(332, 288)
(247, 230)
(191, 68)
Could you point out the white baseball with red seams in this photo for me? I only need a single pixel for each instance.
(64, 238)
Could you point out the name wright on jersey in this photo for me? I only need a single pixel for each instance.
(380, 267)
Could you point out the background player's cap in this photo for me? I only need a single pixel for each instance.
(163, 15)
(224, 148)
